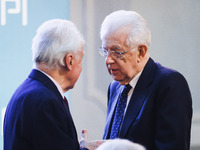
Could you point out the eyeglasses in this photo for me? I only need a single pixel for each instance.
(114, 54)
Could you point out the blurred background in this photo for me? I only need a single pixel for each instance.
(175, 27)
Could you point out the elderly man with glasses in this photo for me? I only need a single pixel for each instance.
(147, 103)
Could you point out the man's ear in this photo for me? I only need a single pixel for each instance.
(69, 61)
(142, 50)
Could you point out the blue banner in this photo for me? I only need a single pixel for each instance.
(19, 21)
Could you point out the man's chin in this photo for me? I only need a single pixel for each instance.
(122, 82)
(117, 79)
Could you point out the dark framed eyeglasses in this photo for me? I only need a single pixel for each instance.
(114, 54)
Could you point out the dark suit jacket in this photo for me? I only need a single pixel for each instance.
(159, 112)
(37, 118)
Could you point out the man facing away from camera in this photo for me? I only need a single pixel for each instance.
(37, 116)
(147, 103)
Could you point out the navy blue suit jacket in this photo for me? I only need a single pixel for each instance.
(37, 117)
(159, 112)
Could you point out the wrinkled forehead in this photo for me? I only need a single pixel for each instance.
(118, 37)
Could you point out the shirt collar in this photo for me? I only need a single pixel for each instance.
(134, 81)
(54, 81)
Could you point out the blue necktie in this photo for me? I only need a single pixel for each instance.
(119, 112)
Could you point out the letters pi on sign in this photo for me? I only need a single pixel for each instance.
(20, 7)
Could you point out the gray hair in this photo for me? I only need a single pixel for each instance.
(120, 144)
(53, 40)
(138, 27)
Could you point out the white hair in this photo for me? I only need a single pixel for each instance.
(120, 20)
(53, 40)
(120, 144)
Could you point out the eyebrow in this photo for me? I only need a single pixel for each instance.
(113, 48)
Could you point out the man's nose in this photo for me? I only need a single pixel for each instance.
(109, 59)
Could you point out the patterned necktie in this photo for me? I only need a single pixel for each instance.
(119, 112)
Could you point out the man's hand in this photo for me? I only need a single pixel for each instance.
(91, 145)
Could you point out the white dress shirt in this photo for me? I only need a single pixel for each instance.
(133, 83)
(54, 81)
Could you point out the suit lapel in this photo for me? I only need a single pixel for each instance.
(116, 91)
(134, 107)
(138, 97)
(37, 75)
